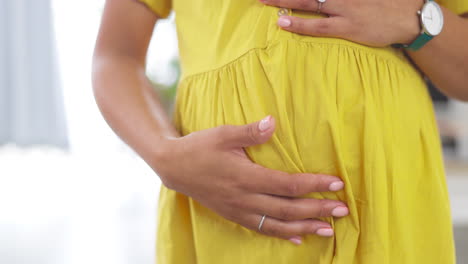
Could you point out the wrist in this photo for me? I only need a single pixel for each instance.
(165, 152)
(412, 33)
(161, 152)
(411, 26)
(431, 20)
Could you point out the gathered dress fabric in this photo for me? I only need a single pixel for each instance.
(360, 113)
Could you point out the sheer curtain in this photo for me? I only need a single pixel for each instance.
(31, 105)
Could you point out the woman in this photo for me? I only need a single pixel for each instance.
(346, 164)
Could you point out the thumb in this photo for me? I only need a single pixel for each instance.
(251, 134)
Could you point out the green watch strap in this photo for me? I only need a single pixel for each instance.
(419, 42)
(422, 39)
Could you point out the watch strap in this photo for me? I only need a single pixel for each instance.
(422, 39)
(419, 42)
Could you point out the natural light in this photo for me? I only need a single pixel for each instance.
(96, 203)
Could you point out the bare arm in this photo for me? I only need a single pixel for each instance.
(445, 58)
(211, 165)
(122, 91)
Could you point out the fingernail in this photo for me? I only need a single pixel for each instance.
(336, 186)
(284, 22)
(264, 124)
(296, 240)
(340, 211)
(326, 232)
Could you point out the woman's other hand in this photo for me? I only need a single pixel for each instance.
(212, 167)
(370, 22)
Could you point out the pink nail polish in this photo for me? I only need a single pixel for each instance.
(336, 186)
(326, 232)
(284, 22)
(296, 240)
(340, 211)
(264, 124)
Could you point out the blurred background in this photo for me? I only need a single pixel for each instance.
(70, 190)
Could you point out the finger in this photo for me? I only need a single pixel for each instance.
(329, 7)
(259, 179)
(296, 209)
(288, 229)
(322, 27)
(234, 136)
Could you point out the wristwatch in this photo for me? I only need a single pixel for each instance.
(432, 22)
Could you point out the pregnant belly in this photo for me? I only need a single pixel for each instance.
(340, 110)
(336, 107)
(324, 96)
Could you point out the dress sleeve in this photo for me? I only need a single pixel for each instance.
(457, 6)
(161, 7)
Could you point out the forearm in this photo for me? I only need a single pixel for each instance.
(130, 106)
(444, 59)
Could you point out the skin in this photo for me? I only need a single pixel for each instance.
(211, 165)
(379, 23)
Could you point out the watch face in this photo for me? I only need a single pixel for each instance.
(432, 18)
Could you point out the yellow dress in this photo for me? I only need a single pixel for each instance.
(343, 109)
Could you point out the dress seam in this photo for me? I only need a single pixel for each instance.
(273, 44)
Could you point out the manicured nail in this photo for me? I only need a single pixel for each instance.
(336, 186)
(284, 22)
(340, 211)
(264, 124)
(326, 232)
(296, 240)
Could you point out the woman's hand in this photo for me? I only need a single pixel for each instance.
(377, 23)
(380, 23)
(211, 167)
